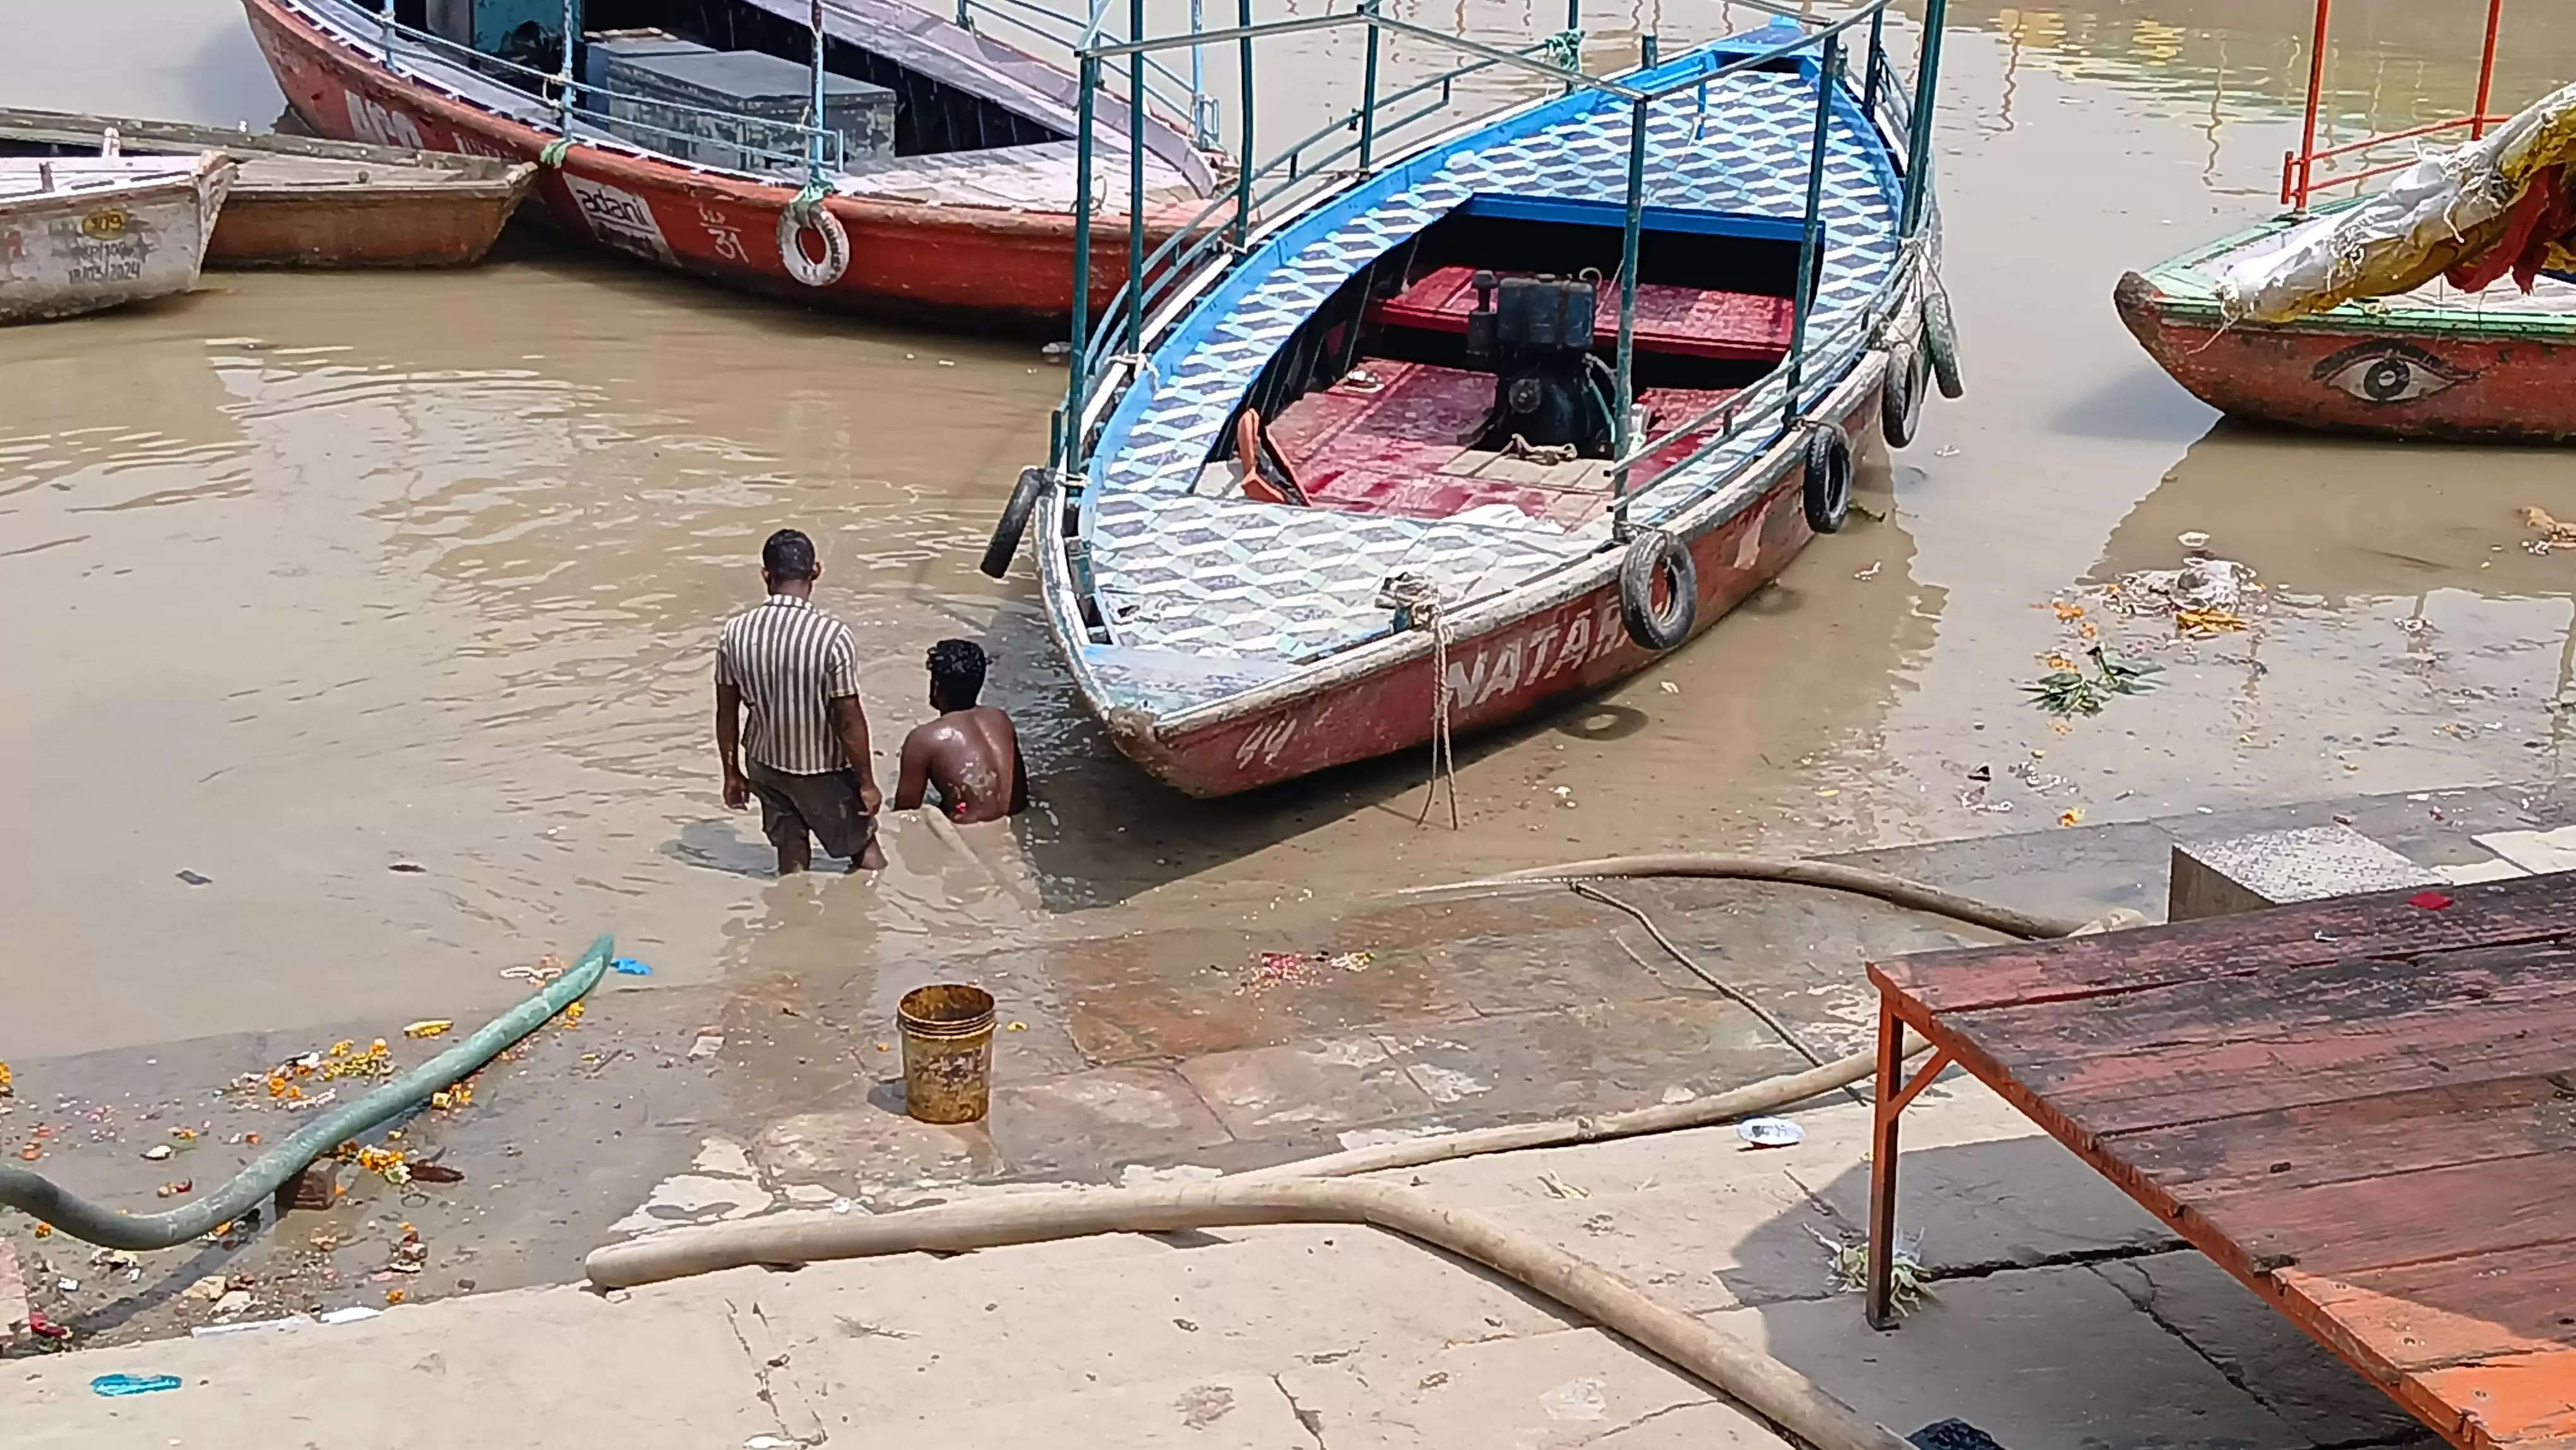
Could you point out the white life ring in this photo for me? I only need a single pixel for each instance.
(791, 246)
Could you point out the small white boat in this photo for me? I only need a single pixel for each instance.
(81, 233)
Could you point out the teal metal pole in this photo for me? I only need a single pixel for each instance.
(1647, 49)
(1877, 55)
(1368, 91)
(571, 38)
(1622, 434)
(1136, 181)
(1574, 28)
(1243, 155)
(814, 139)
(1079, 357)
(1918, 134)
(1811, 236)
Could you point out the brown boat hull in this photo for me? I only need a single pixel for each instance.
(2498, 377)
(395, 227)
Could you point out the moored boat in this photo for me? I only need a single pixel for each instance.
(81, 234)
(919, 167)
(1499, 419)
(299, 201)
(2391, 314)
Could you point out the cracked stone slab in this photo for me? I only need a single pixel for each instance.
(1085, 1122)
(1239, 1410)
(1575, 1387)
(2257, 1347)
(2036, 1358)
(589, 1372)
(854, 1149)
(1339, 1082)
(878, 1338)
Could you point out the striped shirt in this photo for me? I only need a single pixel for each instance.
(791, 661)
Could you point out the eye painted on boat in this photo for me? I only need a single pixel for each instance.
(2389, 372)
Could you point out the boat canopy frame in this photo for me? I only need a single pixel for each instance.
(2299, 180)
(1160, 282)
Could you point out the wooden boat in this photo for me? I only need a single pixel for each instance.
(2419, 356)
(299, 201)
(1402, 463)
(2494, 365)
(951, 190)
(79, 235)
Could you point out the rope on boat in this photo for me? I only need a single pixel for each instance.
(808, 197)
(1417, 600)
(554, 152)
(1565, 49)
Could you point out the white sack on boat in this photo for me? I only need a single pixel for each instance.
(2447, 207)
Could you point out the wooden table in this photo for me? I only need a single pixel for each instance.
(2363, 1108)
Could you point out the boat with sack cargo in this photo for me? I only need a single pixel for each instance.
(1438, 420)
(2442, 307)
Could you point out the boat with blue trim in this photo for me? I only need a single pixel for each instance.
(1433, 425)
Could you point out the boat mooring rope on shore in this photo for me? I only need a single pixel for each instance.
(39, 1196)
(1419, 599)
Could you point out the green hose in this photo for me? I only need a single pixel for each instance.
(32, 1193)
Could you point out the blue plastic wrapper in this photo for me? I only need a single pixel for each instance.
(629, 967)
(113, 1385)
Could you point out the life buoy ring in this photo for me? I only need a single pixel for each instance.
(791, 245)
(1941, 340)
(1829, 478)
(1900, 399)
(1005, 542)
(1655, 557)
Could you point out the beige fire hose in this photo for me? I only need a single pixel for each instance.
(1829, 875)
(1762, 1384)
(1315, 1190)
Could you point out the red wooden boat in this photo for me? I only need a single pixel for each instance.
(1496, 421)
(952, 193)
(2465, 356)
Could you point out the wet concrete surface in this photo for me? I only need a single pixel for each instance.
(331, 577)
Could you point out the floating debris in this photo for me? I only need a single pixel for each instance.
(431, 1027)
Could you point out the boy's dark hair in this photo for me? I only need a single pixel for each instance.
(789, 555)
(957, 670)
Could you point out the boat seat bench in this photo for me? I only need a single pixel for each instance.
(1384, 440)
(1683, 321)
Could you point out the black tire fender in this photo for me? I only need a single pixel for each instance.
(1900, 401)
(1829, 478)
(1941, 340)
(1657, 557)
(1005, 543)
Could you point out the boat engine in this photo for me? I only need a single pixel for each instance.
(1550, 391)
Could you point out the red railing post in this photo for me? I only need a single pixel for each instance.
(2316, 89)
(2486, 71)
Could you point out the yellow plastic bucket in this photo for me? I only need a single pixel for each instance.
(947, 1052)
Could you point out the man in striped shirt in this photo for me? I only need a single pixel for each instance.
(804, 748)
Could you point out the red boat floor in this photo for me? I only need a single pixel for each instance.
(1385, 440)
(1689, 321)
(2363, 1108)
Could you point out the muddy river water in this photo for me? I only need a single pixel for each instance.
(314, 580)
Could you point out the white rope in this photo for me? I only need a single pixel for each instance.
(1419, 598)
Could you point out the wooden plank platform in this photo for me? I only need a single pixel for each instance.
(2363, 1108)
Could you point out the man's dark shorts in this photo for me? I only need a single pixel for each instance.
(826, 805)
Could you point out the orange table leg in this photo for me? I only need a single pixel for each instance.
(1886, 1106)
(1895, 1092)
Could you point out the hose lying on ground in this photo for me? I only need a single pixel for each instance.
(1829, 875)
(32, 1193)
(1767, 1096)
(1763, 1384)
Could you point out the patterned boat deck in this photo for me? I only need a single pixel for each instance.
(1252, 591)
